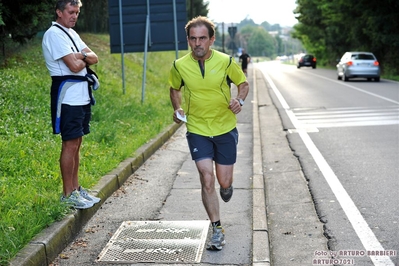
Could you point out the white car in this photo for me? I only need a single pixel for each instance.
(358, 65)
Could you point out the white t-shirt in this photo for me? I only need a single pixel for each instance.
(56, 44)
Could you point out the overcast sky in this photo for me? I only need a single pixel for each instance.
(272, 11)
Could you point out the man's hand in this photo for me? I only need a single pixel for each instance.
(235, 106)
(175, 118)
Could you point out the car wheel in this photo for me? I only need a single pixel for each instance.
(339, 77)
(368, 79)
(298, 67)
(377, 79)
(314, 67)
(345, 77)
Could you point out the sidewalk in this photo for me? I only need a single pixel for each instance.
(161, 184)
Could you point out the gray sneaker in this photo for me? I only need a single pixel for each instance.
(87, 196)
(76, 201)
(217, 240)
(226, 193)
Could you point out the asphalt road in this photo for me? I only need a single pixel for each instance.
(346, 136)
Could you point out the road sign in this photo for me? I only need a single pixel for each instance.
(134, 20)
(232, 31)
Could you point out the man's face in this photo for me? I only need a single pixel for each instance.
(200, 42)
(69, 16)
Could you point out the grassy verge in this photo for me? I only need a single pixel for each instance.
(30, 181)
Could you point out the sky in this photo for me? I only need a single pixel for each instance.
(234, 11)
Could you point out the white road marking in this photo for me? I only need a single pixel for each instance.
(355, 88)
(339, 117)
(363, 231)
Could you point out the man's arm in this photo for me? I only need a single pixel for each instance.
(91, 58)
(243, 90)
(77, 61)
(175, 98)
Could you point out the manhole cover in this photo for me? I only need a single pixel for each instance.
(156, 241)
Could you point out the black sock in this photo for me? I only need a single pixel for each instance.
(217, 223)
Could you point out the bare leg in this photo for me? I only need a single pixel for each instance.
(208, 192)
(224, 174)
(69, 164)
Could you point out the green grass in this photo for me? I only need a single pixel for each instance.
(30, 181)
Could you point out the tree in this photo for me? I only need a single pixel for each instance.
(328, 28)
(196, 8)
(261, 43)
(22, 19)
(93, 16)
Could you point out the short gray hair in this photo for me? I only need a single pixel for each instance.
(61, 4)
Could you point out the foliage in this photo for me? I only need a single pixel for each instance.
(22, 19)
(196, 8)
(328, 28)
(93, 16)
(262, 43)
(30, 183)
(259, 42)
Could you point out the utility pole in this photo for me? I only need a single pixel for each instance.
(223, 38)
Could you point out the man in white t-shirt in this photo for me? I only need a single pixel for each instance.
(71, 96)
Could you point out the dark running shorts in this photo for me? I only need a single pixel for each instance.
(75, 121)
(222, 149)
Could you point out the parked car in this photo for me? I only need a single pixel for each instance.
(307, 60)
(358, 65)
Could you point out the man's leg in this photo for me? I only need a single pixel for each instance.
(208, 192)
(224, 174)
(211, 203)
(69, 164)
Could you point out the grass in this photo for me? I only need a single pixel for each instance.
(30, 181)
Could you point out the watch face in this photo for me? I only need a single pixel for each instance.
(241, 102)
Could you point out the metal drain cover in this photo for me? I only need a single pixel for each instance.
(156, 241)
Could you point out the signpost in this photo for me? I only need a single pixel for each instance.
(146, 25)
(232, 32)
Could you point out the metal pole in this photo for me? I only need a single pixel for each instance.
(223, 38)
(147, 29)
(175, 28)
(122, 46)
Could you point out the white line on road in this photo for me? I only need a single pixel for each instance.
(363, 231)
(353, 87)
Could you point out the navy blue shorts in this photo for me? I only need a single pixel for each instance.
(222, 149)
(75, 121)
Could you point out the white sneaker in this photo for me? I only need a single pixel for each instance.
(217, 240)
(83, 193)
(76, 201)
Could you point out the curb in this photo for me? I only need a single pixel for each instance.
(260, 233)
(46, 246)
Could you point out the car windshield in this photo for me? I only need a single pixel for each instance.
(362, 57)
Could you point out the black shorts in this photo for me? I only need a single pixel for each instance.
(222, 149)
(75, 121)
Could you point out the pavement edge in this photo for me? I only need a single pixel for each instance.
(261, 248)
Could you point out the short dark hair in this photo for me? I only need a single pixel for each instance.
(199, 21)
(61, 4)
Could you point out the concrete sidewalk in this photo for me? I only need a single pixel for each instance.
(161, 183)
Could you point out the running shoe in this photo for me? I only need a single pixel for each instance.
(84, 194)
(226, 193)
(76, 201)
(217, 240)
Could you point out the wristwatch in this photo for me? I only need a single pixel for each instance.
(84, 55)
(241, 101)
